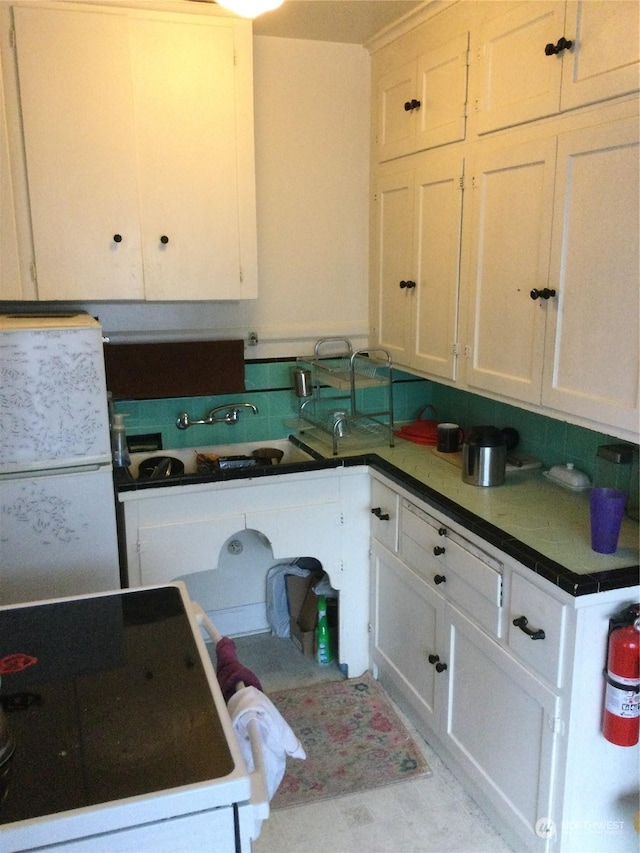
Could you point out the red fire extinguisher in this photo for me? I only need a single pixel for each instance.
(621, 718)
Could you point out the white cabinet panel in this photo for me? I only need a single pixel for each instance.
(406, 616)
(422, 103)
(592, 355)
(169, 551)
(605, 62)
(512, 197)
(518, 82)
(416, 262)
(140, 166)
(77, 116)
(502, 724)
(525, 73)
(308, 531)
(544, 652)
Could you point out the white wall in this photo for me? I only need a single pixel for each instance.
(312, 165)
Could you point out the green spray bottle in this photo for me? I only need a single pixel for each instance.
(323, 645)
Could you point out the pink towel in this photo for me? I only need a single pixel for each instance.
(230, 671)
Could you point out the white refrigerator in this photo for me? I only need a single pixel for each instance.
(58, 532)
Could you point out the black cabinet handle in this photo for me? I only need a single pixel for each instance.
(413, 104)
(440, 667)
(408, 284)
(164, 239)
(117, 238)
(438, 579)
(377, 511)
(553, 49)
(433, 658)
(438, 550)
(545, 293)
(522, 623)
(442, 531)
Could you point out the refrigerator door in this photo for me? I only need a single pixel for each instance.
(57, 535)
(53, 396)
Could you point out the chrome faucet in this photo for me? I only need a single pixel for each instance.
(230, 416)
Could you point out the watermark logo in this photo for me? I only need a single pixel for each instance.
(545, 828)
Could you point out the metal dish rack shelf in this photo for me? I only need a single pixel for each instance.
(341, 418)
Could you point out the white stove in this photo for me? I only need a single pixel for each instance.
(123, 740)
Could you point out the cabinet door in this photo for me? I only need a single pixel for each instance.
(396, 124)
(170, 551)
(187, 139)
(437, 236)
(306, 531)
(604, 62)
(592, 355)
(393, 263)
(512, 203)
(501, 724)
(518, 81)
(405, 617)
(442, 91)
(422, 103)
(77, 116)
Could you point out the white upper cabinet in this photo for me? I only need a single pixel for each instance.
(537, 59)
(591, 352)
(552, 274)
(422, 103)
(138, 134)
(415, 260)
(511, 193)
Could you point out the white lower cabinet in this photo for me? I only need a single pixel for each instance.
(186, 531)
(501, 672)
(501, 725)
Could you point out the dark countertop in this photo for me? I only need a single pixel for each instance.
(538, 523)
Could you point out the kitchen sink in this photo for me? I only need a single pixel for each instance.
(187, 455)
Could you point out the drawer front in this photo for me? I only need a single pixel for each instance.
(542, 613)
(461, 572)
(384, 515)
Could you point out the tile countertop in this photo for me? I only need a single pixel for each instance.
(541, 524)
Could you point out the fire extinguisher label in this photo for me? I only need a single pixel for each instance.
(622, 703)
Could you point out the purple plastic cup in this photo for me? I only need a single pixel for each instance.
(606, 510)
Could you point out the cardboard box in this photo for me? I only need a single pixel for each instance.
(303, 611)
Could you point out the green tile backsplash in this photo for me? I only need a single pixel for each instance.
(269, 387)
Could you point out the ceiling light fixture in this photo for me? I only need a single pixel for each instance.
(250, 8)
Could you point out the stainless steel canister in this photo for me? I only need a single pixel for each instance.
(302, 382)
(484, 457)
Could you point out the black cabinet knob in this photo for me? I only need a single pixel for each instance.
(438, 550)
(117, 238)
(440, 667)
(562, 44)
(545, 293)
(409, 285)
(413, 104)
(433, 658)
(442, 531)
(164, 239)
(438, 579)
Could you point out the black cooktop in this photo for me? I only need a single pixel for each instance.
(106, 698)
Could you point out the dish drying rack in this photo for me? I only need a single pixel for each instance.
(341, 417)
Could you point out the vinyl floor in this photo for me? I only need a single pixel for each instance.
(432, 815)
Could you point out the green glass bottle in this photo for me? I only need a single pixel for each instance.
(323, 646)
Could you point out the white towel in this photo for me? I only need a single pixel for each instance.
(276, 736)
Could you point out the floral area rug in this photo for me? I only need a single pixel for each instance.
(353, 738)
